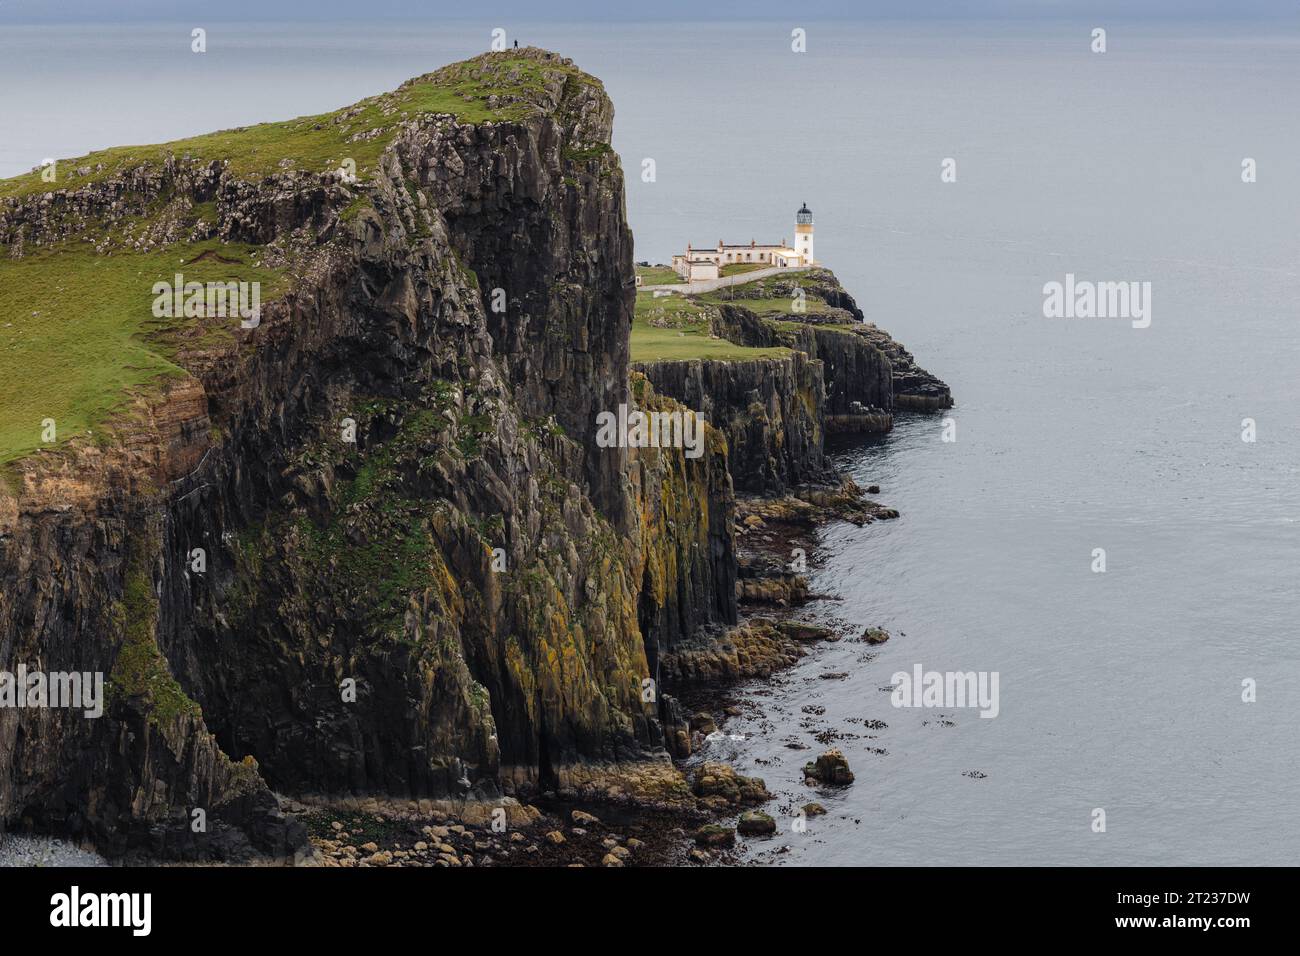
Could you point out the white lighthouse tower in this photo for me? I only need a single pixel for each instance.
(803, 234)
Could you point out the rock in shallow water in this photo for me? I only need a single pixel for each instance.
(756, 823)
(875, 635)
(830, 768)
(714, 779)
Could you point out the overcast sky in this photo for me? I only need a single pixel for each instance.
(19, 11)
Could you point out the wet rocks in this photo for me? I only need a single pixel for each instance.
(758, 648)
(755, 823)
(718, 785)
(395, 837)
(715, 836)
(831, 768)
(782, 589)
(813, 504)
(875, 635)
(703, 723)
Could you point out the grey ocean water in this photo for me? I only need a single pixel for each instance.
(1118, 690)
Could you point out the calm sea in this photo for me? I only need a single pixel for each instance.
(1119, 691)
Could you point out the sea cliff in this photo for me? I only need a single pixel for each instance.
(366, 545)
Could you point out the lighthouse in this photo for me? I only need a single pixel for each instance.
(803, 234)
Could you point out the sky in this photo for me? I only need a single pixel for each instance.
(33, 11)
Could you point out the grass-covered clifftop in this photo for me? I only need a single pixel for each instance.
(422, 573)
(806, 311)
(675, 327)
(475, 91)
(680, 326)
(77, 331)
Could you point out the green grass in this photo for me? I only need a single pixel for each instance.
(320, 143)
(675, 328)
(140, 670)
(376, 546)
(77, 330)
(785, 326)
(658, 275)
(740, 268)
(763, 288)
(784, 304)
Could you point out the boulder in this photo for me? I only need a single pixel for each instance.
(875, 635)
(755, 823)
(830, 768)
(703, 722)
(713, 779)
(715, 835)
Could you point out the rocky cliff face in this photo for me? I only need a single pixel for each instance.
(370, 545)
(867, 373)
(423, 576)
(912, 387)
(771, 410)
(843, 375)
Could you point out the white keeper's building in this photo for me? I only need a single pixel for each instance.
(698, 264)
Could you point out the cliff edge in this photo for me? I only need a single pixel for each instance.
(354, 533)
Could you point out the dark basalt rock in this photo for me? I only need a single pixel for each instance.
(771, 411)
(370, 562)
(715, 835)
(830, 768)
(355, 632)
(755, 823)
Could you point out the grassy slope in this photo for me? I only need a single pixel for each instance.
(677, 327)
(76, 329)
(320, 143)
(784, 305)
(740, 268)
(674, 327)
(654, 275)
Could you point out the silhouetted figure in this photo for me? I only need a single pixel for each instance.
(516, 44)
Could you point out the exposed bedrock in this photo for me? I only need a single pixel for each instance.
(422, 575)
(462, 598)
(771, 411)
(867, 373)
